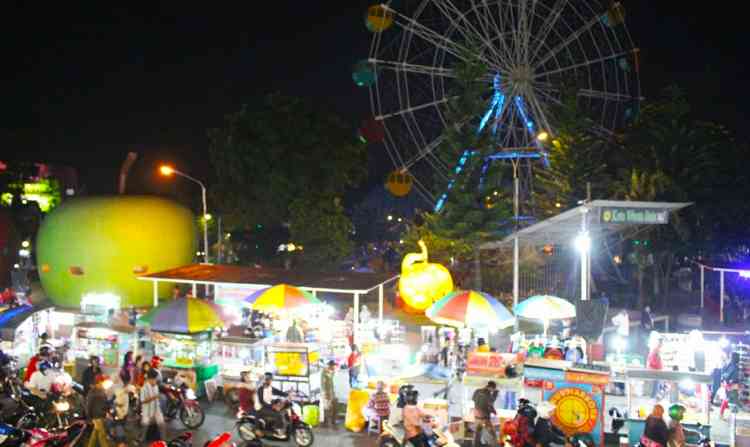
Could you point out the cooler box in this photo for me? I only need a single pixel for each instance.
(311, 415)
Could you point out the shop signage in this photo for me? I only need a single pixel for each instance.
(533, 373)
(290, 364)
(485, 363)
(621, 215)
(582, 377)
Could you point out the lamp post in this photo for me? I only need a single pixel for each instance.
(168, 171)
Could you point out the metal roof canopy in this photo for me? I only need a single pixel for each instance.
(563, 228)
(354, 283)
(211, 274)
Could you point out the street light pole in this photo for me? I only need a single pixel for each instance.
(167, 170)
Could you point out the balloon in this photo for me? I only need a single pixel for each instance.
(99, 245)
(423, 283)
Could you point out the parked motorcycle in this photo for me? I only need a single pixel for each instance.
(182, 402)
(72, 435)
(184, 440)
(251, 427)
(12, 437)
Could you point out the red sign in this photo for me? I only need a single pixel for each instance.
(486, 363)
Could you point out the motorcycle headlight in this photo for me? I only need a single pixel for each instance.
(62, 406)
(190, 394)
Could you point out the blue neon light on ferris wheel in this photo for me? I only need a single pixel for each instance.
(497, 104)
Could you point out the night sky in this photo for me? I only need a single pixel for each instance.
(83, 85)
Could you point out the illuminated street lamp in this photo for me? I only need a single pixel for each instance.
(168, 171)
(542, 136)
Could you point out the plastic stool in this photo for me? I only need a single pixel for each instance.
(374, 425)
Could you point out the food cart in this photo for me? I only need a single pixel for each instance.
(188, 355)
(108, 342)
(576, 391)
(295, 364)
(689, 389)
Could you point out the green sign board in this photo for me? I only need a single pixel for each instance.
(634, 216)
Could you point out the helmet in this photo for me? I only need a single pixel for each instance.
(43, 366)
(412, 397)
(527, 410)
(676, 412)
(403, 392)
(44, 350)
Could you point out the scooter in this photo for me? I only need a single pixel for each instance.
(72, 435)
(251, 427)
(12, 437)
(182, 402)
(184, 440)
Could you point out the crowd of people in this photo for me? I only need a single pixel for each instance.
(104, 400)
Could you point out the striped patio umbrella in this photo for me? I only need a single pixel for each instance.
(468, 308)
(280, 297)
(545, 307)
(185, 316)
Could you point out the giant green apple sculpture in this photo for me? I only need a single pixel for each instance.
(100, 245)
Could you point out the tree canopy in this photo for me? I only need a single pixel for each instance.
(281, 158)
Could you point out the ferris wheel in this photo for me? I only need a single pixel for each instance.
(534, 51)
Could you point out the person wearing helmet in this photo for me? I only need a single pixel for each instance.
(677, 433)
(41, 381)
(44, 353)
(156, 366)
(545, 433)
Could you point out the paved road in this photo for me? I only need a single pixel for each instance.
(219, 419)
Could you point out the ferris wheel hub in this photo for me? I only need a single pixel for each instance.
(521, 76)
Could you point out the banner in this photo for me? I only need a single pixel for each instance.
(486, 363)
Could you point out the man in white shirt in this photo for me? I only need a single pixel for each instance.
(150, 409)
(41, 381)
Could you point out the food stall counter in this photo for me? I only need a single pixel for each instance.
(689, 389)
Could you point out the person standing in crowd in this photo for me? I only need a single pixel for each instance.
(43, 355)
(484, 408)
(140, 376)
(653, 362)
(127, 371)
(413, 417)
(90, 373)
(122, 408)
(354, 362)
(379, 405)
(150, 408)
(96, 411)
(155, 366)
(328, 393)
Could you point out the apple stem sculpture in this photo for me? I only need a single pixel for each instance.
(421, 282)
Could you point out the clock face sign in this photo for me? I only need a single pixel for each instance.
(575, 411)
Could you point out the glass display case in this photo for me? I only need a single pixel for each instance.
(295, 364)
(183, 350)
(109, 344)
(646, 388)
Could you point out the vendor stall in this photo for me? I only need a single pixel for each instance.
(576, 391)
(295, 364)
(20, 328)
(182, 333)
(689, 389)
(108, 342)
